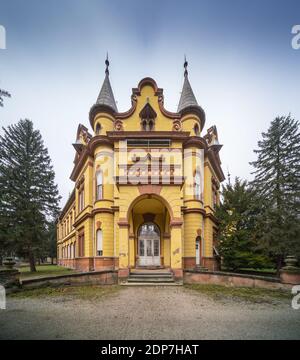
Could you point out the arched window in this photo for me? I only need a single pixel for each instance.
(144, 125)
(150, 125)
(196, 130)
(197, 185)
(98, 129)
(148, 116)
(99, 185)
(99, 243)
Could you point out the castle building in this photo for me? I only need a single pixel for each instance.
(146, 186)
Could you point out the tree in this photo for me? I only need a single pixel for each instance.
(51, 241)
(27, 180)
(3, 93)
(277, 184)
(237, 216)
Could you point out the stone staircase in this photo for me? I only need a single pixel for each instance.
(144, 277)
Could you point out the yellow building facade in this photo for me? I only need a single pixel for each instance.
(146, 186)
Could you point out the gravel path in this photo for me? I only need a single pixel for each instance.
(147, 313)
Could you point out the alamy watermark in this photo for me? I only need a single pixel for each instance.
(296, 39)
(2, 298)
(2, 37)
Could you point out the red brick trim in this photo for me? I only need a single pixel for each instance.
(123, 222)
(149, 189)
(189, 262)
(176, 222)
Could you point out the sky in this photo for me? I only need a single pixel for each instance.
(242, 67)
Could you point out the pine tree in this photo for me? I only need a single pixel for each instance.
(277, 183)
(29, 194)
(51, 248)
(237, 215)
(3, 93)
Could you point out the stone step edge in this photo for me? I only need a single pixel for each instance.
(151, 284)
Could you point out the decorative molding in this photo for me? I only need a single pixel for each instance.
(149, 189)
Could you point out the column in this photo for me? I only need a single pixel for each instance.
(176, 248)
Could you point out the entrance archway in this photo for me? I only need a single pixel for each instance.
(149, 244)
(149, 233)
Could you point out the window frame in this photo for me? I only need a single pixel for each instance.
(197, 185)
(99, 249)
(99, 187)
(81, 244)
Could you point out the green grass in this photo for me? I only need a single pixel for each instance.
(265, 270)
(252, 270)
(253, 295)
(44, 271)
(82, 292)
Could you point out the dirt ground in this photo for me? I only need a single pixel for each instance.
(148, 313)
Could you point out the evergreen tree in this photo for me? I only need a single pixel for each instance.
(3, 93)
(51, 241)
(30, 197)
(237, 216)
(277, 183)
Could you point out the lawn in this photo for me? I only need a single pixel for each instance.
(253, 295)
(44, 271)
(82, 292)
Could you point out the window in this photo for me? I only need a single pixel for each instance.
(197, 185)
(74, 250)
(146, 143)
(81, 244)
(99, 243)
(99, 185)
(214, 197)
(196, 130)
(81, 198)
(148, 124)
(147, 115)
(98, 129)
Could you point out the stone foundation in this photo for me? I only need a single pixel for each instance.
(178, 274)
(105, 277)
(105, 263)
(210, 263)
(123, 275)
(231, 279)
(290, 277)
(189, 262)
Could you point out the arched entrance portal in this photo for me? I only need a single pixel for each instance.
(149, 244)
(149, 233)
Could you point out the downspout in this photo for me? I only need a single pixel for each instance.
(93, 227)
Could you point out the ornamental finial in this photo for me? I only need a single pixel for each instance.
(107, 64)
(185, 65)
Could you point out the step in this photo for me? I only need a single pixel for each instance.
(152, 275)
(131, 279)
(152, 284)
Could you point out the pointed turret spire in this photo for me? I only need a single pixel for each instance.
(187, 98)
(106, 95)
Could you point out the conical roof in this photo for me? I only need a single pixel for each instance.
(187, 98)
(106, 95)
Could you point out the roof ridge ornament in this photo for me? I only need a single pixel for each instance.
(185, 65)
(107, 64)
